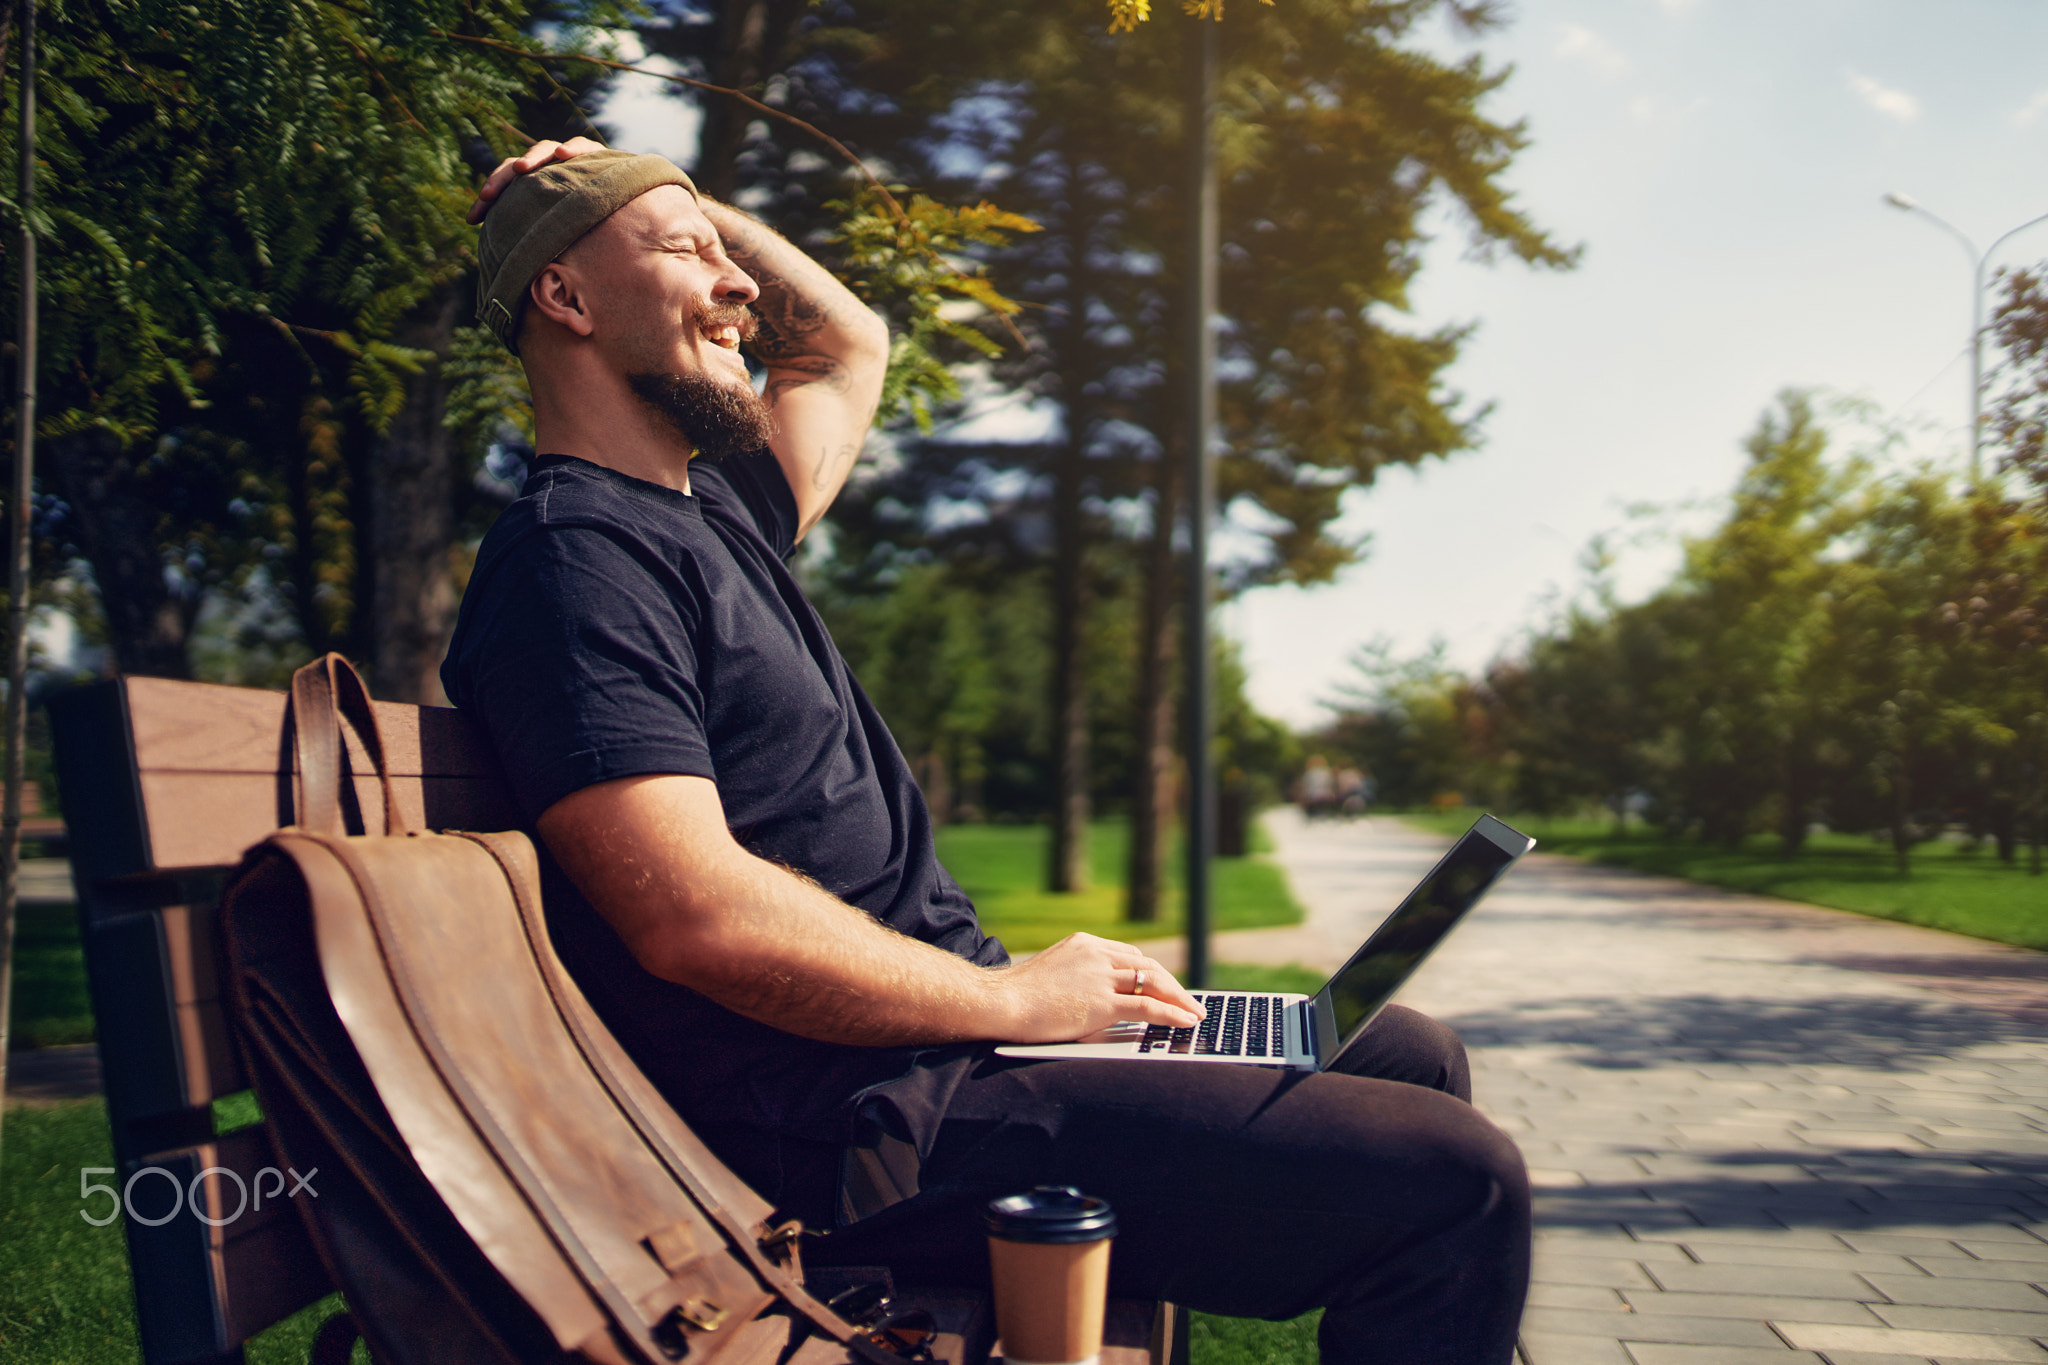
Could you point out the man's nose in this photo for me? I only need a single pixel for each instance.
(737, 286)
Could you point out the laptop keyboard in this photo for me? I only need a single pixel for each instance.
(1237, 1026)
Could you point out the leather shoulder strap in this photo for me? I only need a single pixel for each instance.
(325, 692)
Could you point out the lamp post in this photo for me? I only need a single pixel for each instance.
(1978, 260)
(1200, 177)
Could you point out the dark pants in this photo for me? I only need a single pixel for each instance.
(1377, 1193)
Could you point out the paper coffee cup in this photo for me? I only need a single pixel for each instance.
(1049, 1252)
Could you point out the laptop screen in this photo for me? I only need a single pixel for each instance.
(1423, 920)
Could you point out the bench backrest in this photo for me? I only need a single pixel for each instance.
(165, 785)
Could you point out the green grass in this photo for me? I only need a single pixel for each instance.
(1249, 1341)
(1241, 976)
(1003, 868)
(65, 1297)
(50, 1001)
(1964, 892)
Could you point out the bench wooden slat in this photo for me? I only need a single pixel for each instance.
(211, 1068)
(202, 819)
(208, 728)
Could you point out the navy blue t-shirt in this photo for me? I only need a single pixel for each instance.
(614, 628)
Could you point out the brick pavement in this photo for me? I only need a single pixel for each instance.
(1762, 1133)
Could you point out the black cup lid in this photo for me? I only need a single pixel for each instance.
(1050, 1213)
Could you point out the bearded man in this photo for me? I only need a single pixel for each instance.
(739, 868)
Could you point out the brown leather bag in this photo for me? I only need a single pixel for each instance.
(494, 1178)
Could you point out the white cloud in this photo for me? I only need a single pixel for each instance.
(2031, 110)
(1652, 109)
(1580, 44)
(1675, 8)
(1893, 104)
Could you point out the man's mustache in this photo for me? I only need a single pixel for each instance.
(729, 315)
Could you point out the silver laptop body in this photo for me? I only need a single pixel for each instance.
(1309, 1033)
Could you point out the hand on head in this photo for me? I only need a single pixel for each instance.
(532, 159)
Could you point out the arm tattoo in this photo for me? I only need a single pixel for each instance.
(806, 370)
(790, 319)
(826, 473)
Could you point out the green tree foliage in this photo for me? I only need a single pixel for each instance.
(1421, 729)
(954, 659)
(901, 258)
(1335, 136)
(1749, 626)
(953, 670)
(1579, 708)
(1871, 653)
(2019, 413)
(251, 238)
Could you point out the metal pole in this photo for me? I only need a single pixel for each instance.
(1977, 373)
(18, 524)
(1978, 260)
(1200, 170)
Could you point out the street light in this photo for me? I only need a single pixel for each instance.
(1909, 204)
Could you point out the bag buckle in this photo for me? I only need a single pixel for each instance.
(782, 1244)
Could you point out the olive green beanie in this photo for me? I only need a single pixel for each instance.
(543, 213)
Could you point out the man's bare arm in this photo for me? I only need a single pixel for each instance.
(826, 353)
(653, 854)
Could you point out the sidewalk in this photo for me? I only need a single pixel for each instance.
(1762, 1133)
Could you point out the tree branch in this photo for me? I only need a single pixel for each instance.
(895, 209)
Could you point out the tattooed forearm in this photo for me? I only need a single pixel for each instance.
(791, 316)
(801, 371)
(804, 312)
(790, 320)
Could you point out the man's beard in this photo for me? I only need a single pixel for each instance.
(718, 418)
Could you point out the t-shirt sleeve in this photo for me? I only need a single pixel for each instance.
(760, 492)
(581, 667)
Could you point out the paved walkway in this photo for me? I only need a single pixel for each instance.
(1762, 1133)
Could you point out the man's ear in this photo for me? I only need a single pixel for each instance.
(557, 295)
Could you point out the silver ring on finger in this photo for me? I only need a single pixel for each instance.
(1138, 985)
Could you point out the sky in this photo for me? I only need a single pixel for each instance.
(1724, 164)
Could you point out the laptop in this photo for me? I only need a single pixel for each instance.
(1309, 1033)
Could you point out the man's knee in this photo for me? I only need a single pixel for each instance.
(1474, 1168)
(1408, 1046)
(1466, 1208)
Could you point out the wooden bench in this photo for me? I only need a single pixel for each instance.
(166, 784)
